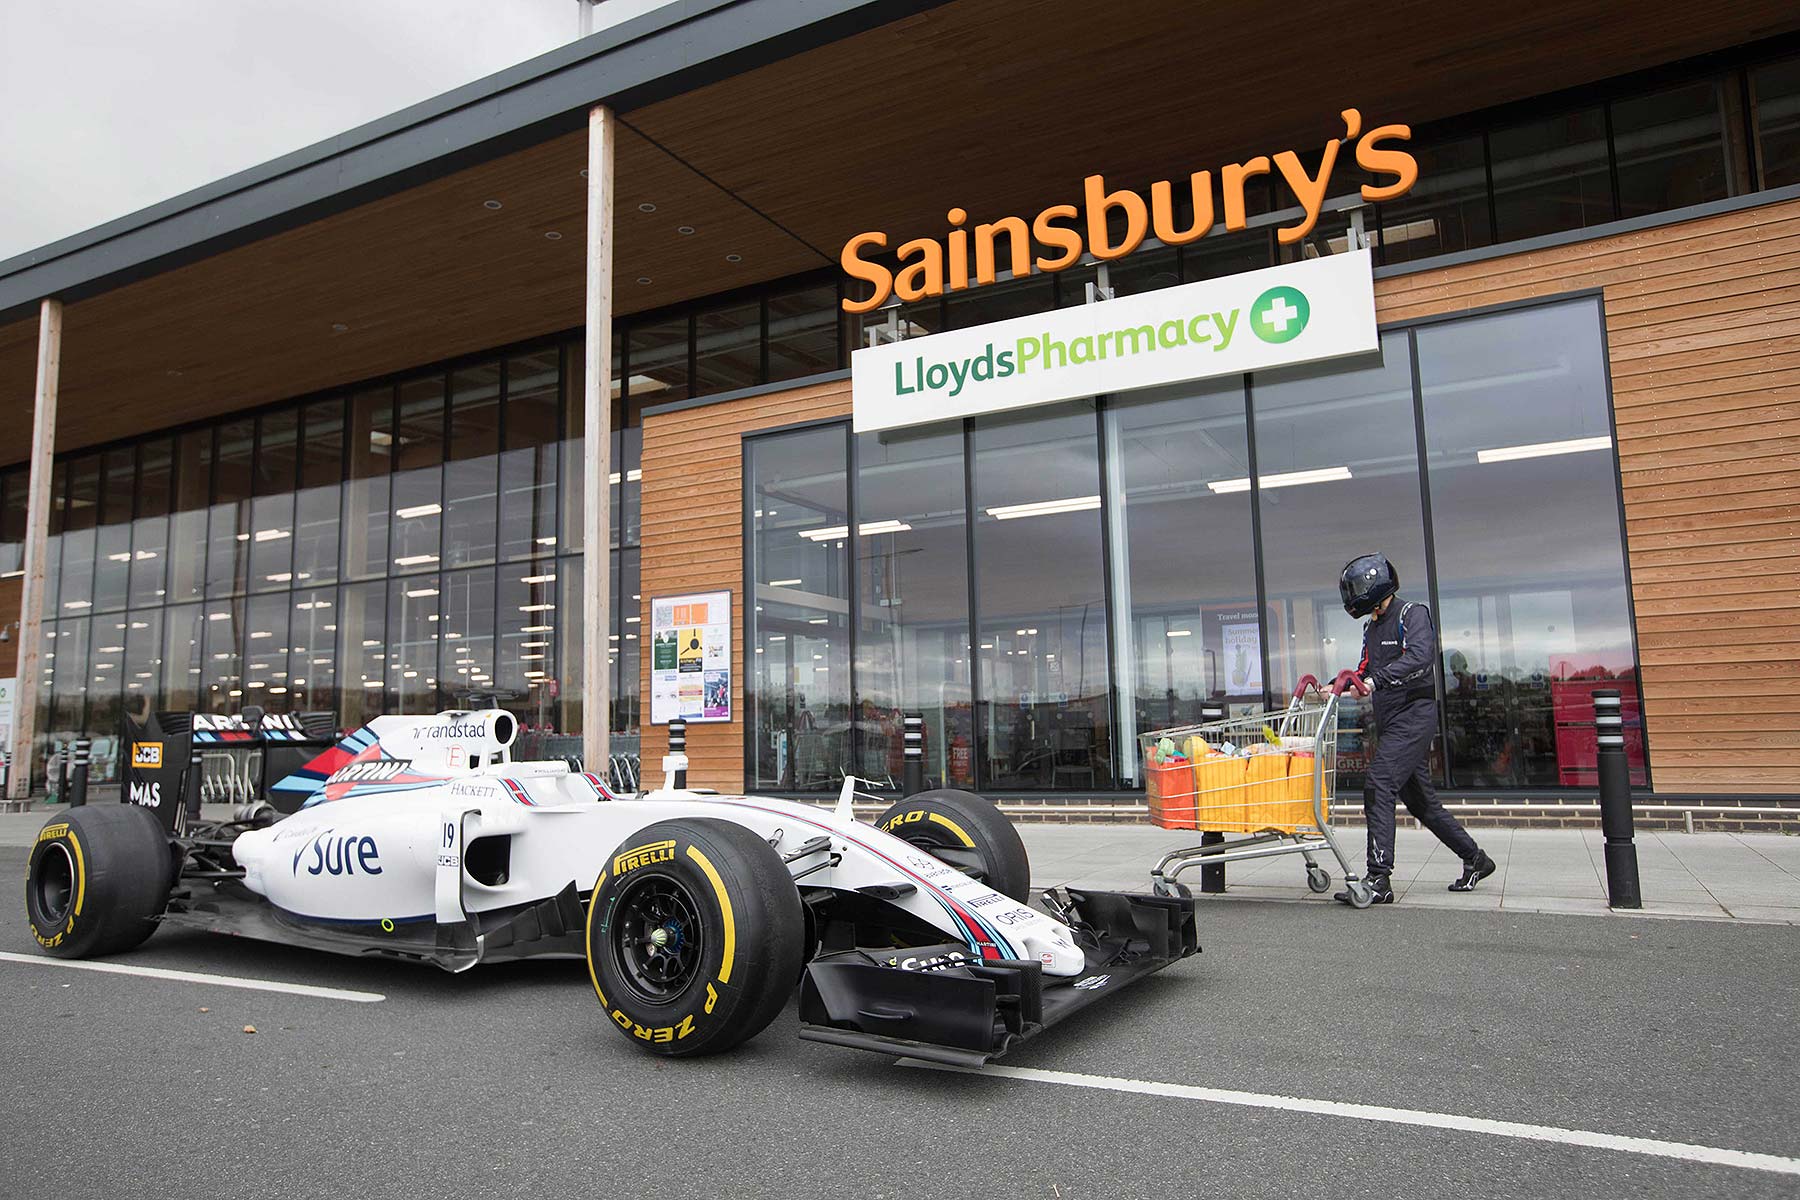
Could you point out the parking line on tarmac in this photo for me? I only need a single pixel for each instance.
(255, 985)
(1686, 1152)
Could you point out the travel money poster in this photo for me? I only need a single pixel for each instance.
(690, 657)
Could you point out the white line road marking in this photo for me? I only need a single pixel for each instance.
(255, 985)
(1710, 1155)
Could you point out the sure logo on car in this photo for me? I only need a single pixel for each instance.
(348, 855)
(643, 856)
(146, 754)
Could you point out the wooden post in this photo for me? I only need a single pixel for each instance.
(37, 531)
(596, 577)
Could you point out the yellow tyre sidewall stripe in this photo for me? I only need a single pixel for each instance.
(712, 873)
(953, 827)
(80, 872)
(593, 903)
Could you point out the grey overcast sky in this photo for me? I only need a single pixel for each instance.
(108, 107)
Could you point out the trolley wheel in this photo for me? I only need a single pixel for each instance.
(1172, 887)
(1359, 892)
(1318, 879)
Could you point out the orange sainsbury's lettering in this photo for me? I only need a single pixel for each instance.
(1061, 234)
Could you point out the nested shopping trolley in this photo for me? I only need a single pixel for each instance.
(1272, 776)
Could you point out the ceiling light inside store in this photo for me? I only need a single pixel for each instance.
(533, 645)
(537, 629)
(1179, 633)
(272, 535)
(537, 579)
(1543, 449)
(280, 577)
(546, 541)
(420, 593)
(415, 560)
(786, 582)
(832, 533)
(78, 604)
(633, 475)
(1282, 479)
(536, 607)
(1044, 508)
(418, 510)
(818, 620)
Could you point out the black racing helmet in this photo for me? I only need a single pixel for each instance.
(1366, 582)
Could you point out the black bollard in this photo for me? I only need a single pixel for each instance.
(1622, 888)
(191, 789)
(79, 781)
(62, 774)
(678, 746)
(1212, 874)
(912, 768)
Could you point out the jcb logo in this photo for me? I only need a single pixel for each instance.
(642, 856)
(906, 818)
(146, 754)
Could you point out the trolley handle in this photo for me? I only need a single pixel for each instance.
(1350, 678)
(1306, 681)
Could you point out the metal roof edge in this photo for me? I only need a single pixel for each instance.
(671, 50)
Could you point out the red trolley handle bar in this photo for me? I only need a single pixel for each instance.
(1352, 679)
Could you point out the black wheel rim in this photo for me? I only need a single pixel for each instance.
(55, 883)
(657, 938)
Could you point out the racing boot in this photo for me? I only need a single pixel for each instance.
(1474, 871)
(1380, 892)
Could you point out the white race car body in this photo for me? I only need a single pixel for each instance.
(419, 838)
(388, 843)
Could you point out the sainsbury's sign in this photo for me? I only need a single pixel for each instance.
(1302, 312)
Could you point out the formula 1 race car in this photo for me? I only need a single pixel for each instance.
(419, 838)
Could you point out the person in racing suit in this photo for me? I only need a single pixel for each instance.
(1399, 667)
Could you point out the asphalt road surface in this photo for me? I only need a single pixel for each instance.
(507, 1081)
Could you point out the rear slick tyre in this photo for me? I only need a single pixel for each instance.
(695, 936)
(967, 832)
(97, 880)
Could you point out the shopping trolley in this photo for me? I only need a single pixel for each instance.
(1272, 776)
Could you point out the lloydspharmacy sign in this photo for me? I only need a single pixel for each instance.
(1304, 312)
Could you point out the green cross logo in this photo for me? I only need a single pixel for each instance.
(1279, 314)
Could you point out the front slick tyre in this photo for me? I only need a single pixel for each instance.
(966, 831)
(97, 879)
(694, 936)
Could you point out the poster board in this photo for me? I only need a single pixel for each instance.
(690, 657)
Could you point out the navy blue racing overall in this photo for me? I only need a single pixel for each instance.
(1399, 662)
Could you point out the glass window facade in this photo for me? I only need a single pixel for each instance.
(394, 548)
(1044, 585)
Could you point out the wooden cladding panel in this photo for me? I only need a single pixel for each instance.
(1706, 394)
(1709, 450)
(12, 595)
(693, 523)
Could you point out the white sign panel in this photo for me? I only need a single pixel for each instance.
(8, 689)
(1303, 312)
(690, 658)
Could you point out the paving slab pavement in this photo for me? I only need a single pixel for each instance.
(1720, 876)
